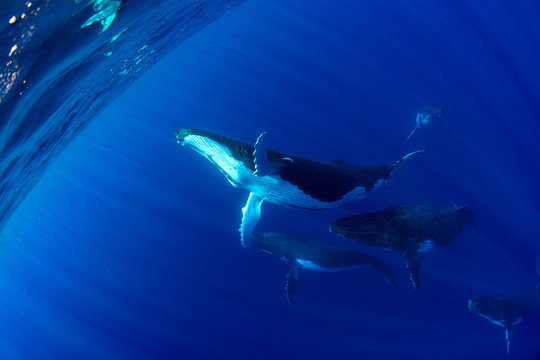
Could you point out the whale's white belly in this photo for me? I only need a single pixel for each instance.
(271, 188)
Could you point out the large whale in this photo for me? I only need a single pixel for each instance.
(506, 310)
(408, 229)
(309, 254)
(283, 179)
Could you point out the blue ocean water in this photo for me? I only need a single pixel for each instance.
(127, 244)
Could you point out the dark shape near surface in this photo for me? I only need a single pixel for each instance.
(407, 229)
(283, 179)
(304, 253)
(506, 310)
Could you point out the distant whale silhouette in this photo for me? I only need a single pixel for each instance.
(425, 116)
(283, 179)
(303, 253)
(506, 310)
(407, 229)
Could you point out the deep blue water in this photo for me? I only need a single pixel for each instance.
(127, 245)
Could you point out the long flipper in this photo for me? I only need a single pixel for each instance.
(414, 263)
(292, 281)
(262, 164)
(507, 333)
(412, 132)
(400, 161)
(251, 214)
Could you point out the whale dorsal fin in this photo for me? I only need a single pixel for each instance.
(260, 154)
(251, 214)
(292, 281)
(414, 263)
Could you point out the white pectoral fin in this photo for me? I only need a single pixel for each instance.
(507, 333)
(251, 214)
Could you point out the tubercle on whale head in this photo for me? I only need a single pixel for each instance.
(181, 135)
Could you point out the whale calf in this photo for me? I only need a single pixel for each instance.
(407, 229)
(309, 254)
(283, 179)
(506, 310)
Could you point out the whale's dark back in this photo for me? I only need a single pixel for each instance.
(401, 227)
(327, 182)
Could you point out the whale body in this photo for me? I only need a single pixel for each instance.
(407, 229)
(507, 310)
(283, 179)
(309, 254)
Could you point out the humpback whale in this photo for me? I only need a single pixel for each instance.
(506, 310)
(309, 254)
(282, 179)
(424, 117)
(407, 229)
